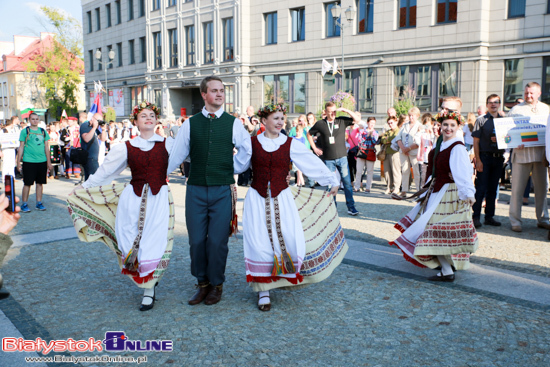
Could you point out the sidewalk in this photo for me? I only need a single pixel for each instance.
(375, 310)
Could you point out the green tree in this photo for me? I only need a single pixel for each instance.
(59, 65)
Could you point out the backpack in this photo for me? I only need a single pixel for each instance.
(28, 134)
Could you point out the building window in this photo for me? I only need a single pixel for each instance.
(108, 14)
(298, 24)
(91, 60)
(119, 53)
(110, 63)
(132, 52)
(289, 90)
(89, 17)
(407, 13)
(190, 44)
(365, 11)
(516, 8)
(208, 43)
(156, 4)
(426, 84)
(157, 50)
(141, 8)
(228, 41)
(446, 11)
(333, 30)
(172, 2)
(137, 95)
(359, 82)
(118, 12)
(97, 19)
(229, 106)
(130, 10)
(270, 28)
(143, 49)
(173, 41)
(158, 98)
(448, 82)
(513, 82)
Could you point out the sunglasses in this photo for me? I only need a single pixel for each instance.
(441, 108)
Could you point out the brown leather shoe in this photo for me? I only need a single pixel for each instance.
(203, 289)
(214, 296)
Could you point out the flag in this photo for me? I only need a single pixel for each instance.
(96, 107)
(335, 67)
(531, 136)
(325, 67)
(64, 114)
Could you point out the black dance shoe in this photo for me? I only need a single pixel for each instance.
(442, 278)
(491, 222)
(143, 307)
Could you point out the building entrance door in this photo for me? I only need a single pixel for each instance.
(186, 97)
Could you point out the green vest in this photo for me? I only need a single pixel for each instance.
(211, 150)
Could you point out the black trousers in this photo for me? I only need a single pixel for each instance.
(487, 184)
(208, 218)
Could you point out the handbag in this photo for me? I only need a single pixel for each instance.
(382, 153)
(371, 155)
(362, 153)
(79, 156)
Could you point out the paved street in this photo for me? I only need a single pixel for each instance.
(375, 310)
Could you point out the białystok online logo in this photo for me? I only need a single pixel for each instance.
(115, 341)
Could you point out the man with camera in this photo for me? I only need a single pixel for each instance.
(90, 131)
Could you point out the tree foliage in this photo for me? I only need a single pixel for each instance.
(58, 66)
(68, 29)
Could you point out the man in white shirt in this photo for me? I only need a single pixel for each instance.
(528, 161)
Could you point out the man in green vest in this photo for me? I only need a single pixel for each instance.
(209, 138)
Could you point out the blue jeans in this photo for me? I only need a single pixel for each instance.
(342, 165)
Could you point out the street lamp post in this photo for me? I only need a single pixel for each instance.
(336, 11)
(105, 66)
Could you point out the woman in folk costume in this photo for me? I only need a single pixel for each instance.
(438, 231)
(136, 220)
(292, 235)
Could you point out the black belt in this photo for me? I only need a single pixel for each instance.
(494, 155)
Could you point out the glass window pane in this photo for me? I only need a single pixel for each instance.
(516, 8)
(298, 25)
(513, 82)
(332, 28)
(365, 15)
(329, 86)
(348, 87)
(401, 80)
(300, 93)
(283, 92)
(366, 90)
(424, 87)
(269, 89)
(448, 79)
(546, 81)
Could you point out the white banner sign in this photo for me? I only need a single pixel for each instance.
(9, 140)
(521, 130)
(116, 100)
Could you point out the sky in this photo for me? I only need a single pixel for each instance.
(20, 17)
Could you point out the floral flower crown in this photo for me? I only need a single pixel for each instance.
(143, 106)
(270, 108)
(446, 115)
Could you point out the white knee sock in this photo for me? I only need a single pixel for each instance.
(148, 292)
(264, 300)
(445, 266)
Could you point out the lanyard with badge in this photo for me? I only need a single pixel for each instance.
(331, 130)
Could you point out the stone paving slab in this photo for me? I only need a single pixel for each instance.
(368, 313)
(359, 316)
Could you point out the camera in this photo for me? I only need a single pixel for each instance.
(100, 122)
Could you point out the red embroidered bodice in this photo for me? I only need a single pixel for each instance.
(270, 168)
(442, 166)
(148, 167)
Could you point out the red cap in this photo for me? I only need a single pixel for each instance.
(73, 118)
